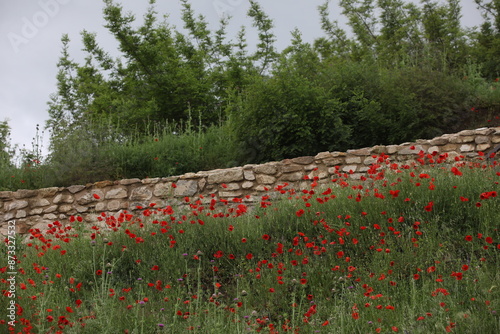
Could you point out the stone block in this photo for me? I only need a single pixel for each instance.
(60, 198)
(481, 140)
(466, 148)
(113, 205)
(291, 177)
(163, 190)
(288, 168)
(20, 214)
(349, 168)
(268, 169)
(361, 151)
(483, 147)
(352, 160)
(439, 141)
(141, 194)
(265, 179)
(249, 175)
(75, 189)
(303, 160)
(116, 193)
(15, 205)
(186, 188)
(25, 193)
(323, 155)
(48, 192)
(127, 182)
(247, 185)
(333, 162)
(226, 176)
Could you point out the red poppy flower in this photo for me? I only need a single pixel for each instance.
(96, 196)
(155, 267)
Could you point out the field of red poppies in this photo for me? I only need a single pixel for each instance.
(409, 249)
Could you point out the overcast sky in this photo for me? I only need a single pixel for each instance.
(31, 30)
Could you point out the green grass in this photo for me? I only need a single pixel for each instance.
(341, 257)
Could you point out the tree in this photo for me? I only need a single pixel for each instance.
(6, 153)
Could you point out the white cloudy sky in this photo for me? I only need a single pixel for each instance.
(30, 33)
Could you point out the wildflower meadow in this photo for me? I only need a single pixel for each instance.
(410, 248)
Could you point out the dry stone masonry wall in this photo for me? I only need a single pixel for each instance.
(38, 208)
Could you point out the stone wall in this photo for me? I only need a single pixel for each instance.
(38, 208)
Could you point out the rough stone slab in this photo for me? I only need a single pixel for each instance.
(249, 175)
(310, 167)
(8, 216)
(466, 148)
(323, 155)
(25, 193)
(391, 149)
(352, 160)
(75, 189)
(37, 202)
(461, 139)
(449, 147)
(379, 149)
(481, 140)
(116, 193)
(265, 179)
(333, 162)
(65, 208)
(36, 211)
(100, 207)
(153, 180)
(440, 141)
(188, 176)
(495, 140)
(201, 183)
(103, 184)
(186, 188)
(126, 182)
(48, 192)
(407, 150)
(370, 160)
(163, 190)
(268, 169)
(5, 194)
(483, 147)
(361, 151)
(16, 205)
(60, 198)
(233, 194)
(141, 194)
(50, 209)
(466, 133)
(484, 131)
(337, 154)
(433, 149)
(20, 214)
(303, 160)
(288, 168)
(231, 186)
(113, 205)
(291, 177)
(247, 185)
(226, 176)
(348, 168)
